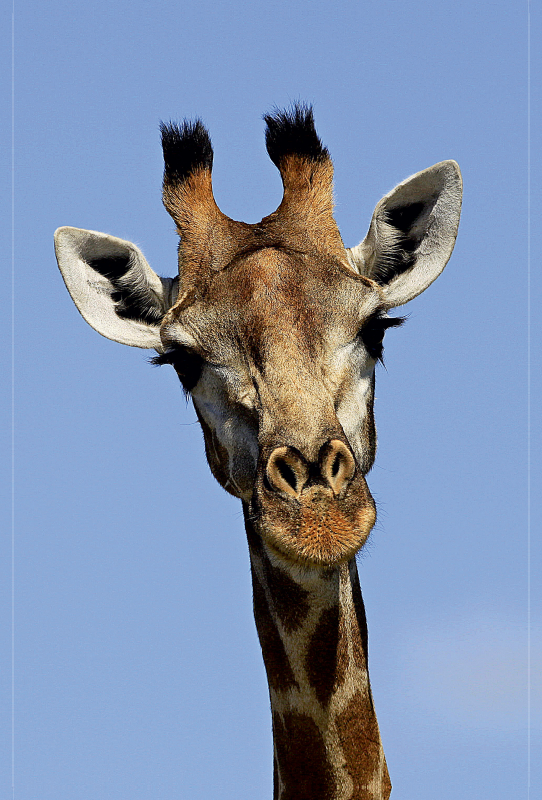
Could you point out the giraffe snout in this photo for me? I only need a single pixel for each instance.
(289, 473)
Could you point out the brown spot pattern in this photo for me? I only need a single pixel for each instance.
(360, 644)
(303, 764)
(290, 601)
(322, 656)
(343, 661)
(360, 741)
(279, 671)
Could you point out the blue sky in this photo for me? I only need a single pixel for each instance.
(137, 669)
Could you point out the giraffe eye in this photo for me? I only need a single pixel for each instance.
(372, 333)
(187, 364)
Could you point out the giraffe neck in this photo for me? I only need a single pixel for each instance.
(313, 633)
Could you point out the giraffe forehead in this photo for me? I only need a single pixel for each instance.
(272, 298)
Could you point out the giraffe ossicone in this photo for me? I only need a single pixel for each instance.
(275, 329)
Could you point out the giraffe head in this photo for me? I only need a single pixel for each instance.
(275, 328)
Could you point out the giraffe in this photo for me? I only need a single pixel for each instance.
(274, 330)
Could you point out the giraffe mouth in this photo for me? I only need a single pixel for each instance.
(317, 528)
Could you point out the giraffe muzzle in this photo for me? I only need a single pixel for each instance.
(290, 474)
(318, 512)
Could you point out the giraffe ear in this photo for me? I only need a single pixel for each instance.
(412, 233)
(113, 286)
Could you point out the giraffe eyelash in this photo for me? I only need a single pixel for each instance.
(187, 364)
(372, 333)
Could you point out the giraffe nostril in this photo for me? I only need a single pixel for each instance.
(337, 465)
(286, 471)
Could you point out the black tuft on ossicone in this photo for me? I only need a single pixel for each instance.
(187, 148)
(292, 132)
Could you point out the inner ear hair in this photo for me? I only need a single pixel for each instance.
(132, 296)
(399, 233)
(412, 233)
